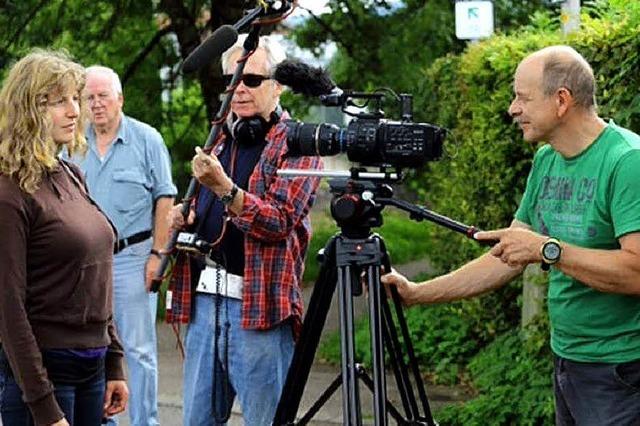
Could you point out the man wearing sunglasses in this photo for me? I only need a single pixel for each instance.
(246, 310)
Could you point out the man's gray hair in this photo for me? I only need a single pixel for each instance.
(564, 67)
(274, 50)
(106, 71)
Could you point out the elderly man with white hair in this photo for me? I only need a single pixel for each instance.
(128, 173)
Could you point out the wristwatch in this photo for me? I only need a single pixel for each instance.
(550, 252)
(227, 198)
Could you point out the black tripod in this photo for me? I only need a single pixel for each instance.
(348, 256)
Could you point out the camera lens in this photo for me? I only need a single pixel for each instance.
(313, 139)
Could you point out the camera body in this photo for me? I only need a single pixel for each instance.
(369, 139)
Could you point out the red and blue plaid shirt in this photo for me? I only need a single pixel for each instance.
(277, 230)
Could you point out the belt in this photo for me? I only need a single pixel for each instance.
(132, 239)
(214, 279)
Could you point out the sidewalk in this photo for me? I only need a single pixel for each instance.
(170, 380)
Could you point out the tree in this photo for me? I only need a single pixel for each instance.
(385, 43)
(381, 43)
(144, 41)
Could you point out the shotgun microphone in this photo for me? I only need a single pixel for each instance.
(214, 46)
(303, 78)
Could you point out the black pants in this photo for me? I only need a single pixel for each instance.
(596, 394)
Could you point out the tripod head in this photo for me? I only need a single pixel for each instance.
(354, 206)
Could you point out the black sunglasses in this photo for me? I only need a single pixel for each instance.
(249, 80)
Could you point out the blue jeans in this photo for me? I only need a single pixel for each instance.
(257, 363)
(596, 394)
(79, 391)
(135, 316)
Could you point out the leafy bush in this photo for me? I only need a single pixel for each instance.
(444, 337)
(513, 377)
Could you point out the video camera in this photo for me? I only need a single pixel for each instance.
(368, 139)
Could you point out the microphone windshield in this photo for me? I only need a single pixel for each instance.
(303, 78)
(221, 39)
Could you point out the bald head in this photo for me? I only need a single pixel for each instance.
(563, 67)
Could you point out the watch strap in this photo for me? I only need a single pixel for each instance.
(228, 198)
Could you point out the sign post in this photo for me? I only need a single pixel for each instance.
(570, 16)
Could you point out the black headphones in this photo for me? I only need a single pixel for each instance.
(250, 131)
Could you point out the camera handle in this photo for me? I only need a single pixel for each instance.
(349, 253)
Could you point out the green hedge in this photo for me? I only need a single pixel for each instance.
(481, 183)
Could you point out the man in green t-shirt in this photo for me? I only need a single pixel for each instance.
(580, 219)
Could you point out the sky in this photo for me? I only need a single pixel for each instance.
(315, 6)
(320, 6)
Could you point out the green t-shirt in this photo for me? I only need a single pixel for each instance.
(589, 200)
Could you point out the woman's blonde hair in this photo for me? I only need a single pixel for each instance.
(27, 148)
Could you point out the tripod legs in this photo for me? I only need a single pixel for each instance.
(350, 393)
(345, 260)
(309, 338)
(377, 349)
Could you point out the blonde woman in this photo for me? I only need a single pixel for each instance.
(60, 358)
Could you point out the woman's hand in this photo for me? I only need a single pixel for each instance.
(115, 397)
(61, 422)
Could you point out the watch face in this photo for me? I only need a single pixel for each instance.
(551, 251)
